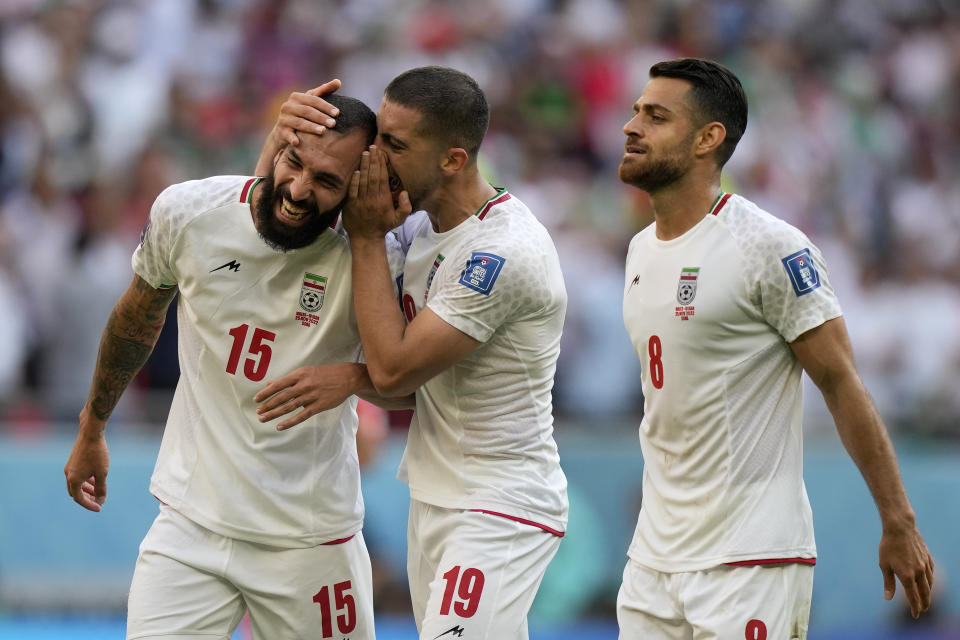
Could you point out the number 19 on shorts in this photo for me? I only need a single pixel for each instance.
(655, 365)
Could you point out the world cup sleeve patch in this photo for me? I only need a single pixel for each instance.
(803, 274)
(481, 272)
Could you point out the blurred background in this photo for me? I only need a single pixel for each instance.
(854, 137)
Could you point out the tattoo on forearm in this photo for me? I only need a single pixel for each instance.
(128, 340)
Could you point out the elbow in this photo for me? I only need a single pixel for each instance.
(390, 384)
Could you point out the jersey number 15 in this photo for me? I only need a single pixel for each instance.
(254, 368)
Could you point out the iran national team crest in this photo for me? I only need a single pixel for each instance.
(687, 288)
(311, 292)
(686, 292)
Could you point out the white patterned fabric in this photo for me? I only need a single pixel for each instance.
(710, 315)
(482, 432)
(248, 314)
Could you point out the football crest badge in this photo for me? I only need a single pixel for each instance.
(686, 292)
(311, 298)
(311, 292)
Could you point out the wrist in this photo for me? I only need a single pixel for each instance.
(91, 427)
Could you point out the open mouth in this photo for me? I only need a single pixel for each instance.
(291, 212)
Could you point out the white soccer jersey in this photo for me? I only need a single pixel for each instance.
(710, 315)
(248, 314)
(482, 433)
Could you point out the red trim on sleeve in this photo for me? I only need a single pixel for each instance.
(559, 534)
(752, 563)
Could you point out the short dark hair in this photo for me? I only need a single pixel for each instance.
(353, 115)
(717, 96)
(453, 107)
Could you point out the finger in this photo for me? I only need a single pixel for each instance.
(924, 590)
(373, 179)
(100, 487)
(355, 184)
(889, 584)
(295, 420)
(275, 386)
(383, 178)
(276, 401)
(88, 487)
(306, 118)
(363, 190)
(404, 208)
(326, 87)
(283, 409)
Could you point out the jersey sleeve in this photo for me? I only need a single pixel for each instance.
(795, 292)
(487, 283)
(152, 259)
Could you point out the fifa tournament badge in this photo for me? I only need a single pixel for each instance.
(686, 292)
(311, 298)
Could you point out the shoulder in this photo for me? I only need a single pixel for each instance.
(509, 225)
(186, 200)
(757, 231)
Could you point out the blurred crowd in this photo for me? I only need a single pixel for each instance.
(854, 136)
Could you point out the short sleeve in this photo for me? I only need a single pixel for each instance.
(152, 259)
(795, 292)
(485, 285)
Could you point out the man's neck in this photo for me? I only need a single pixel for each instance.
(458, 200)
(680, 206)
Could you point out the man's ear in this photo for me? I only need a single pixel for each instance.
(454, 161)
(710, 137)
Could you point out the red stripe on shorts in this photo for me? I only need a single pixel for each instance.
(559, 534)
(340, 541)
(751, 563)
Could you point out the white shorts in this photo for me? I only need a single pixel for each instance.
(472, 574)
(192, 583)
(759, 602)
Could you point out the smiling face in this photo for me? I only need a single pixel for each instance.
(307, 188)
(414, 157)
(660, 137)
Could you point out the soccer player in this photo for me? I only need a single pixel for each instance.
(484, 302)
(726, 305)
(250, 518)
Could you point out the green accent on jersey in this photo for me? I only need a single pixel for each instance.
(252, 187)
(312, 276)
(717, 201)
(500, 192)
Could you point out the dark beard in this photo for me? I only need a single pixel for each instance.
(657, 175)
(280, 236)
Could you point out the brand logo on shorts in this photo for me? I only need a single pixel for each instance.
(456, 631)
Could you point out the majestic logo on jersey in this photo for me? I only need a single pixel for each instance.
(803, 274)
(686, 292)
(433, 272)
(233, 265)
(455, 631)
(311, 292)
(635, 281)
(481, 272)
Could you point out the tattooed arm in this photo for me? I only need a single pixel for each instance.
(129, 337)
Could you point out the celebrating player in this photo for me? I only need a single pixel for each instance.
(250, 518)
(726, 305)
(484, 302)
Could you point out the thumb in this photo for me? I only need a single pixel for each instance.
(889, 584)
(404, 208)
(325, 88)
(100, 486)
